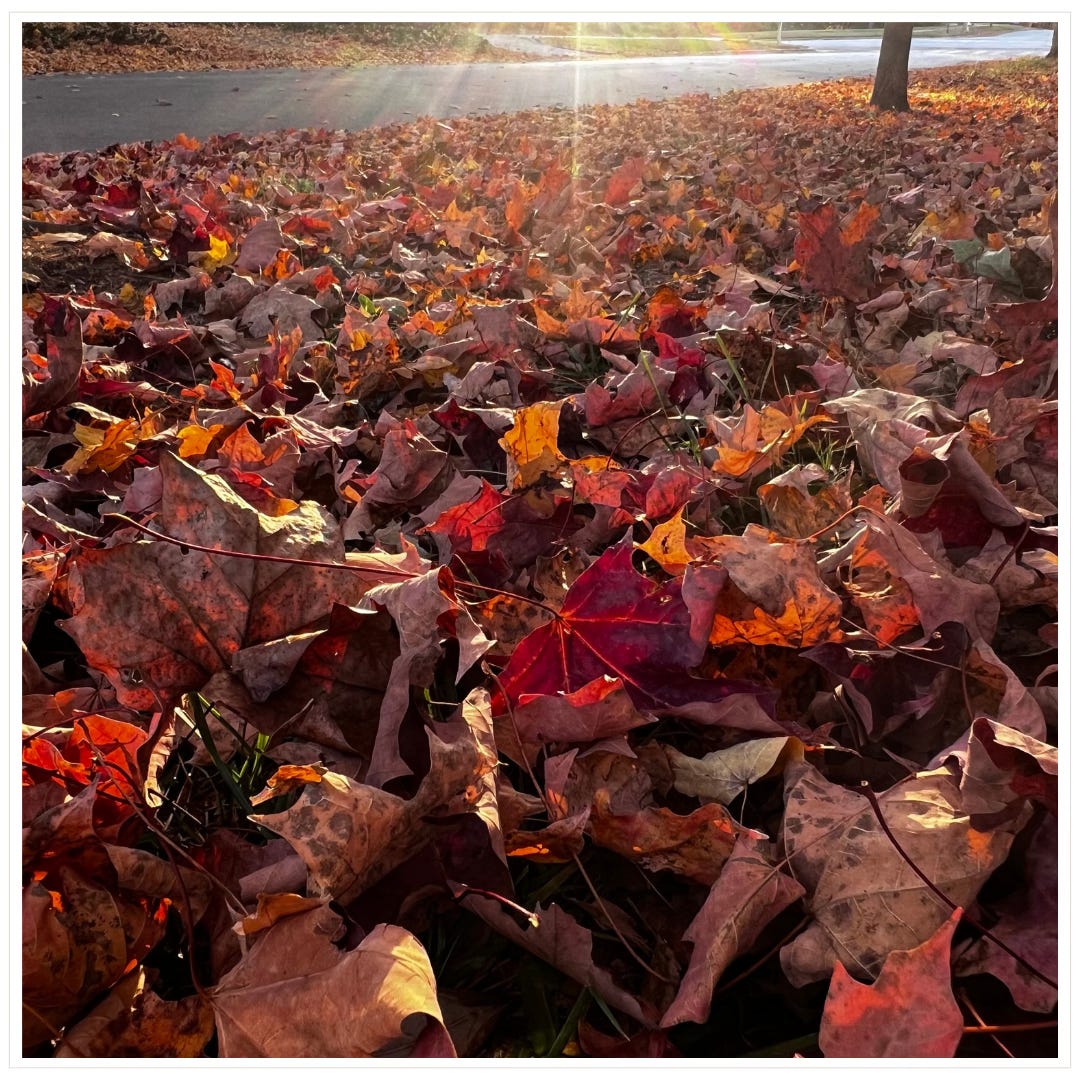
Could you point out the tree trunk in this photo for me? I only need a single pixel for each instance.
(890, 82)
(1052, 54)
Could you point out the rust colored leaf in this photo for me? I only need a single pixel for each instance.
(834, 254)
(755, 589)
(909, 1011)
(695, 845)
(51, 380)
(597, 710)
(758, 440)
(796, 512)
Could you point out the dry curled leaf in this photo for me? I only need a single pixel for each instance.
(296, 994)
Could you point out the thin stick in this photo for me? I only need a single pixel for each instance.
(983, 1025)
(1038, 1025)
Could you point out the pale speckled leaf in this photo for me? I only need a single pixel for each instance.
(351, 834)
(866, 901)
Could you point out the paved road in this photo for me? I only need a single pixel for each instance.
(89, 112)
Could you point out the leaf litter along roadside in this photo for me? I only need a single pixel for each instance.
(601, 499)
(113, 48)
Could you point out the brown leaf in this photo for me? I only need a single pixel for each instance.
(597, 710)
(1028, 924)
(564, 943)
(749, 893)
(835, 256)
(793, 511)
(51, 380)
(909, 1012)
(295, 994)
(134, 1022)
(206, 607)
(427, 613)
(351, 834)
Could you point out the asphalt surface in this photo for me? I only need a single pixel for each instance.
(90, 112)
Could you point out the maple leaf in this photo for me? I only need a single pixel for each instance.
(725, 774)
(206, 607)
(532, 444)
(834, 255)
(561, 941)
(500, 529)
(694, 845)
(350, 834)
(614, 622)
(51, 380)
(747, 895)
(865, 899)
(909, 1012)
(1028, 924)
(133, 1021)
(753, 589)
(759, 439)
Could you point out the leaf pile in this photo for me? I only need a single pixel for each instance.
(573, 581)
(109, 48)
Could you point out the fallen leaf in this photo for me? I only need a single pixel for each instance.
(206, 607)
(742, 901)
(295, 994)
(909, 1011)
(865, 899)
(723, 775)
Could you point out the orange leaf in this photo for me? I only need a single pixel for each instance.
(910, 1010)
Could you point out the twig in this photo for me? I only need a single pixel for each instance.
(983, 1026)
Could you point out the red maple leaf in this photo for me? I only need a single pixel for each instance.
(619, 623)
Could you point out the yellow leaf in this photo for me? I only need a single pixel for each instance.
(217, 256)
(667, 545)
(532, 444)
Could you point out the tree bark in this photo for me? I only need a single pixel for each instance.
(890, 82)
(1052, 54)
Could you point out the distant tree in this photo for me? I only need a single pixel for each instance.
(890, 82)
(1052, 54)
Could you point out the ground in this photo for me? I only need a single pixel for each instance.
(669, 522)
